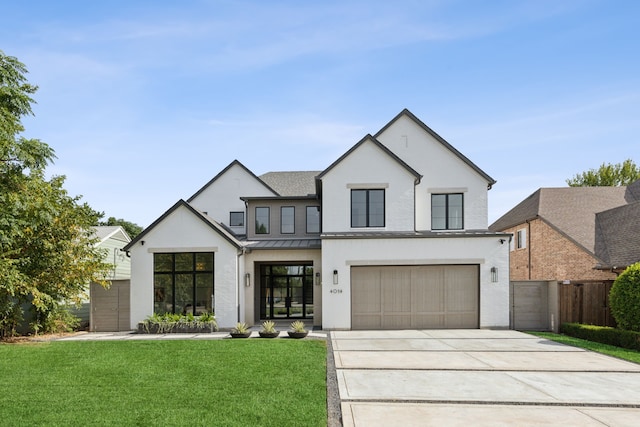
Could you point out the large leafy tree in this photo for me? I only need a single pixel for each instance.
(47, 247)
(607, 175)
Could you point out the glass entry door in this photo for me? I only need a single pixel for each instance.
(286, 291)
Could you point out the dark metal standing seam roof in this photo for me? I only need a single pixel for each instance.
(284, 244)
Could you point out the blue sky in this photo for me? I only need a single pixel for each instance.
(145, 101)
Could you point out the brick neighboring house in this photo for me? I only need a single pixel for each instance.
(573, 233)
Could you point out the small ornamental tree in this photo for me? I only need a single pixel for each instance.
(624, 299)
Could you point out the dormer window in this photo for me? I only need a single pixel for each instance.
(447, 211)
(262, 220)
(367, 208)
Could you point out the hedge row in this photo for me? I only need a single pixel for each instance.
(602, 334)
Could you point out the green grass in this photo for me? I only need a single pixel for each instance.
(621, 353)
(164, 383)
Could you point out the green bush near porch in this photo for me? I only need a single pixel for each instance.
(165, 382)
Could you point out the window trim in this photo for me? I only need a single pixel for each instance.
(268, 224)
(367, 212)
(293, 231)
(317, 208)
(446, 213)
(231, 220)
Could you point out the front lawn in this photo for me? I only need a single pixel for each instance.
(621, 353)
(167, 382)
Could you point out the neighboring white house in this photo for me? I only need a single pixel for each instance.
(108, 309)
(392, 235)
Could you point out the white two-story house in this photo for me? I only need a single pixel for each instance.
(392, 235)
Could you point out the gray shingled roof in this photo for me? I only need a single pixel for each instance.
(618, 235)
(571, 210)
(297, 183)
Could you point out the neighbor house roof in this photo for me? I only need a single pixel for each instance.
(570, 210)
(618, 236)
(104, 232)
(200, 215)
(296, 183)
(440, 139)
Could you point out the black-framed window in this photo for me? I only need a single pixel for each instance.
(447, 211)
(236, 219)
(287, 219)
(367, 208)
(313, 219)
(183, 282)
(262, 220)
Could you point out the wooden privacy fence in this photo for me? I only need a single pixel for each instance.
(586, 302)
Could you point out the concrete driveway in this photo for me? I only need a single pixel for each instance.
(479, 378)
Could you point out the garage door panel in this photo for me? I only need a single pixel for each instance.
(395, 321)
(396, 289)
(403, 297)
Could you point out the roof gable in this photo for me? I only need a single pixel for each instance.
(106, 232)
(408, 114)
(368, 139)
(222, 172)
(201, 216)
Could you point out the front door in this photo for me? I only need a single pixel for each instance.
(286, 291)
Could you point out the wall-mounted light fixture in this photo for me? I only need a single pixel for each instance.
(335, 277)
(247, 280)
(318, 278)
(141, 242)
(494, 274)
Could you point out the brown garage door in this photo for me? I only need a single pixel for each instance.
(110, 308)
(415, 297)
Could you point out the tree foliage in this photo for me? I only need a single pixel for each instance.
(47, 246)
(131, 228)
(624, 298)
(607, 175)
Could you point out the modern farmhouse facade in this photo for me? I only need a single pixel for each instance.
(392, 235)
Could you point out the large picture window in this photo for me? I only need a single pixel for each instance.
(262, 220)
(313, 219)
(183, 282)
(447, 212)
(367, 208)
(287, 219)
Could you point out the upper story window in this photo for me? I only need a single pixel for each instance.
(287, 219)
(521, 239)
(367, 208)
(262, 220)
(447, 211)
(313, 219)
(236, 219)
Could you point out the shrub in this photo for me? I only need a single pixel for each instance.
(603, 334)
(624, 299)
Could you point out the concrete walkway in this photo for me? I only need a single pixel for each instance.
(479, 378)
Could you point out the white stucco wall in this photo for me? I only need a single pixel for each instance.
(223, 195)
(368, 167)
(341, 254)
(252, 293)
(182, 231)
(442, 171)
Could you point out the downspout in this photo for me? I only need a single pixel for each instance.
(529, 247)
